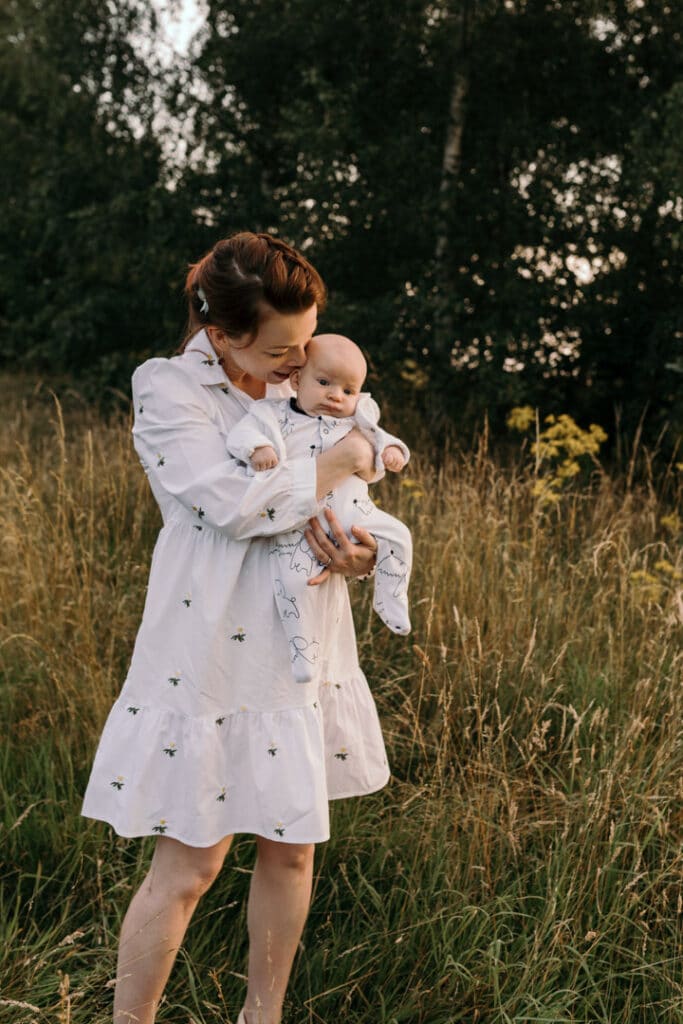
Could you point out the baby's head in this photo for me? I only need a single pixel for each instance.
(331, 381)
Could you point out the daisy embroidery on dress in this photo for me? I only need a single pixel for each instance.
(342, 754)
(161, 827)
(199, 510)
(160, 459)
(171, 750)
(220, 720)
(272, 750)
(174, 680)
(279, 829)
(117, 783)
(132, 709)
(221, 796)
(269, 512)
(187, 600)
(240, 635)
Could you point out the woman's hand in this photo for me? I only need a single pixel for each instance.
(340, 554)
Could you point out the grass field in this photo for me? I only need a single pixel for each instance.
(524, 864)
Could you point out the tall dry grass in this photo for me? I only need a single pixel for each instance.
(524, 864)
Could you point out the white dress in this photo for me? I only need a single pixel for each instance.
(211, 735)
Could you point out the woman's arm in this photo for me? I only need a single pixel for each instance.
(353, 454)
(184, 453)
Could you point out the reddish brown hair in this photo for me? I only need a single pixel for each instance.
(241, 276)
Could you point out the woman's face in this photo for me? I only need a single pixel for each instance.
(278, 349)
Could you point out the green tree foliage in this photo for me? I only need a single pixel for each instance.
(558, 282)
(86, 272)
(492, 188)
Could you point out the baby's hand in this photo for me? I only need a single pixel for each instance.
(393, 458)
(263, 458)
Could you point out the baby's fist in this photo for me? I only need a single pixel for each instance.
(393, 458)
(263, 458)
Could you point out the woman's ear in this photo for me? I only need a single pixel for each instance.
(216, 337)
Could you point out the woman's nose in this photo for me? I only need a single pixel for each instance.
(298, 357)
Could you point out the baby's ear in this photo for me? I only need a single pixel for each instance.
(294, 379)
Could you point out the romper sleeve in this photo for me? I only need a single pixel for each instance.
(184, 453)
(256, 429)
(367, 421)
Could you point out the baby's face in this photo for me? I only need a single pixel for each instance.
(331, 381)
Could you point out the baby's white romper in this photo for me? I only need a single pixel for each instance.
(293, 434)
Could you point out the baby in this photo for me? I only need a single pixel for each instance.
(328, 404)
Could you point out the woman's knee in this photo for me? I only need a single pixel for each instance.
(285, 856)
(186, 872)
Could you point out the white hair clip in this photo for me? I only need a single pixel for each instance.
(204, 308)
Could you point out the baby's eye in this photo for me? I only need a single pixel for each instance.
(348, 391)
(323, 381)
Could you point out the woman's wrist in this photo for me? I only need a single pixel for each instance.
(337, 464)
(370, 573)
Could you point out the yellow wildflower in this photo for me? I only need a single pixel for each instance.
(672, 522)
(413, 487)
(649, 587)
(665, 566)
(521, 418)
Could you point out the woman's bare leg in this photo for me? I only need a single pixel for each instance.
(279, 899)
(156, 921)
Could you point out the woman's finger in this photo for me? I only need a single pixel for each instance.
(317, 580)
(365, 537)
(338, 533)
(321, 545)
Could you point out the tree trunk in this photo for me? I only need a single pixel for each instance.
(452, 158)
(450, 170)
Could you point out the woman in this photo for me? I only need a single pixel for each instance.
(210, 735)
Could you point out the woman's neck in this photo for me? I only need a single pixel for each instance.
(250, 385)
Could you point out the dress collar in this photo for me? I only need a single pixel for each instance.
(202, 358)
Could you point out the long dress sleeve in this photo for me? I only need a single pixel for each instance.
(183, 451)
